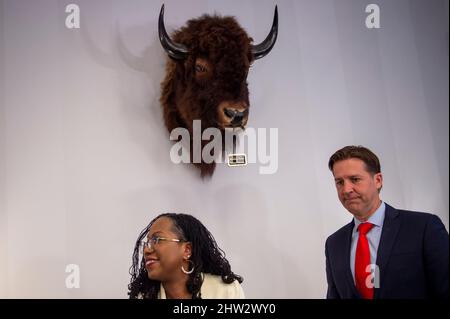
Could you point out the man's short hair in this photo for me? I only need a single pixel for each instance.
(364, 154)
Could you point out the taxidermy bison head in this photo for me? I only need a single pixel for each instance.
(206, 74)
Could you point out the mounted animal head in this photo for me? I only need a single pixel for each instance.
(206, 73)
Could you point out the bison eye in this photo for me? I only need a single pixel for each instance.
(200, 68)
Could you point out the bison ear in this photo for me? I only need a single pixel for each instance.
(262, 49)
(175, 50)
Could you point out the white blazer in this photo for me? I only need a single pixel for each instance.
(213, 287)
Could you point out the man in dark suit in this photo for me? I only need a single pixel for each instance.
(383, 252)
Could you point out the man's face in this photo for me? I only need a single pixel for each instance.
(357, 188)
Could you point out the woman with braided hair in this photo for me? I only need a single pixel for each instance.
(176, 257)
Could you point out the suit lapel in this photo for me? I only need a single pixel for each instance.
(389, 233)
(346, 254)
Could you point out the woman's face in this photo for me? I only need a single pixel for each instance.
(163, 260)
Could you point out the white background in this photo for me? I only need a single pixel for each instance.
(84, 154)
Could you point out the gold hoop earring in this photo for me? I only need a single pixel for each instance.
(191, 263)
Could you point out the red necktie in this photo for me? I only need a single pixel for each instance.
(362, 260)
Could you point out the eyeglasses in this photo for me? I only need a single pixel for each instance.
(154, 241)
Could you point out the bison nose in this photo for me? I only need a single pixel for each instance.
(230, 113)
(237, 119)
(235, 115)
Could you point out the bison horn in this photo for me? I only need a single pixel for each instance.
(260, 50)
(174, 50)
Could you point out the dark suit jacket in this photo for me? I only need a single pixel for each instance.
(413, 258)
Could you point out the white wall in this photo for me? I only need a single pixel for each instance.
(84, 155)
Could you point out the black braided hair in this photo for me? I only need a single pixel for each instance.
(206, 256)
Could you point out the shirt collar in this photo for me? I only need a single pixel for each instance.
(377, 218)
(162, 292)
